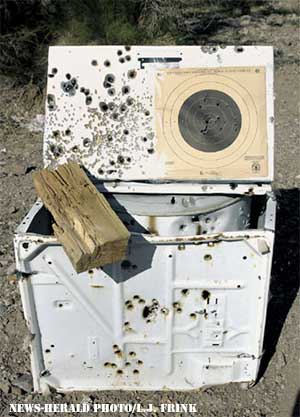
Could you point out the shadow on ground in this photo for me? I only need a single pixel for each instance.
(285, 270)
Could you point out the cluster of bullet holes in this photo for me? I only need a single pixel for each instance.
(132, 355)
(53, 73)
(70, 85)
(88, 97)
(51, 102)
(150, 311)
(56, 150)
(108, 84)
(49, 350)
(129, 304)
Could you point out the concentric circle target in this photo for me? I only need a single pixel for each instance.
(209, 120)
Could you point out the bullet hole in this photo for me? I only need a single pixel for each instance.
(244, 257)
(126, 323)
(111, 171)
(147, 113)
(25, 245)
(47, 351)
(179, 310)
(100, 171)
(131, 74)
(82, 89)
(111, 105)
(115, 346)
(193, 316)
(146, 312)
(50, 75)
(173, 200)
(86, 91)
(185, 291)
(54, 70)
(129, 160)
(111, 91)
(136, 297)
(86, 142)
(170, 256)
(125, 264)
(182, 226)
(115, 116)
(56, 150)
(109, 138)
(132, 354)
(107, 364)
(118, 352)
(112, 162)
(127, 48)
(139, 362)
(233, 186)
(126, 132)
(55, 133)
(128, 58)
(103, 106)
(119, 371)
(142, 301)
(52, 346)
(238, 286)
(239, 49)
(144, 139)
(128, 302)
(119, 52)
(51, 102)
(68, 76)
(88, 100)
(164, 311)
(110, 78)
(125, 89)
(208, 220)
(207, 257)
(136, 371)
(122, 108)
(122, 60)
(121, 159)
(127, 364)
(94, 62)
(69, 87)
(130, 307)
(150, 151)
(68, 132)
(205, 294)
(181, 246)
(176, 304)
(195, 219)
(107, 63)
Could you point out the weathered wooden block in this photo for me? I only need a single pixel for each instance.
(87, 227)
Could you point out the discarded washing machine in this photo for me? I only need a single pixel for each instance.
(180, 140)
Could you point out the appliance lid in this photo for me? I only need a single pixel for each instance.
(161, 114)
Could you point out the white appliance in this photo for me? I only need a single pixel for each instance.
(180, 140)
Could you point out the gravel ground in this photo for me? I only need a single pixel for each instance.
(277, 391)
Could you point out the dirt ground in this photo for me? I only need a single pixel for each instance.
(277, 392)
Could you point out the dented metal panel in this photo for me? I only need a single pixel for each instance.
(174, 315)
